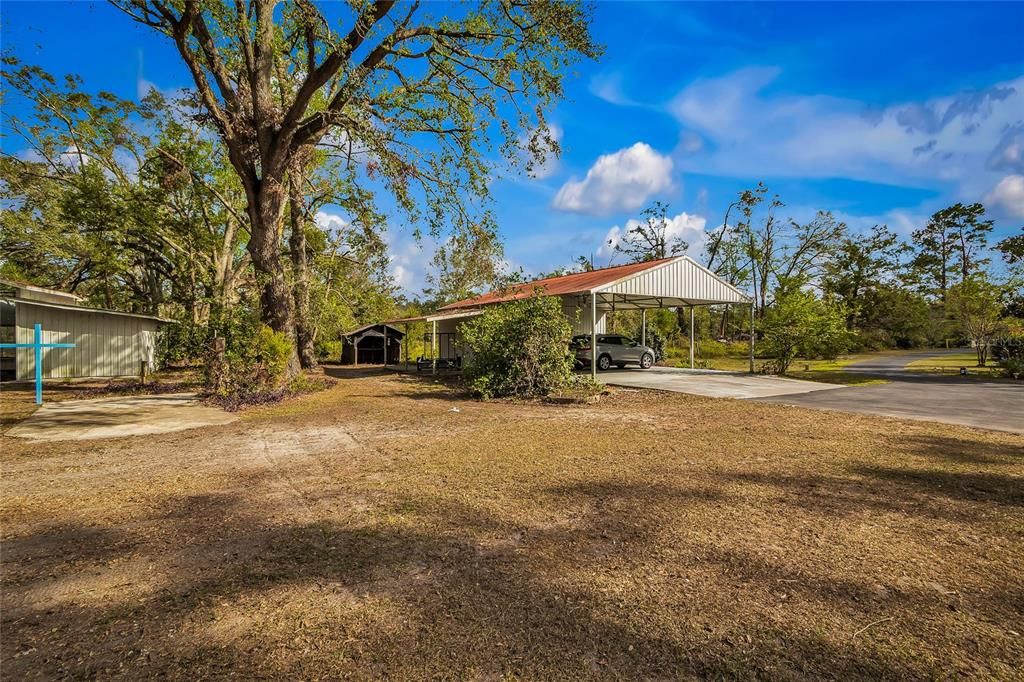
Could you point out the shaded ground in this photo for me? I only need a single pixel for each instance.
(373, 531)
(971, 401)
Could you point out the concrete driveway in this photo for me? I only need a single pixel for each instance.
(711, 383)
(971, 401)
(118, 417)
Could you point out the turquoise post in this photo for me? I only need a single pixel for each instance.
(39, 363)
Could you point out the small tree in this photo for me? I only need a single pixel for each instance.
(651, 238)
(975, 304)
(519, 349)
(801, 324)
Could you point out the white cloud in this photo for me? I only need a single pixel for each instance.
(963, 138)
(686, 226)
(608, 86)
(1009, 194)
(408, 259)
(621, 181)
(331, 223)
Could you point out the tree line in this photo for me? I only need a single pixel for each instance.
(820, 288)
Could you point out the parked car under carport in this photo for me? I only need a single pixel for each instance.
(612, 349)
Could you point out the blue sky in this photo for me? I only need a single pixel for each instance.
(878, 112)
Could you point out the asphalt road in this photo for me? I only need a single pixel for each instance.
(989, 404)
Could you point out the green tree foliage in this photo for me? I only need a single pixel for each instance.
(464, 266)
(892, 316)
(799, 324)
(975, 304)
(860, 266)
(951, 247)
(519, 349)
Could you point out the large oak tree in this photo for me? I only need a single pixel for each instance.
(421, 96)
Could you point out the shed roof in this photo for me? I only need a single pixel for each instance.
(372, 327)
(23, 287)
(84, 309)
(679, 279)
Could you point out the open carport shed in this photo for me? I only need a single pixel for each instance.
(587, 297)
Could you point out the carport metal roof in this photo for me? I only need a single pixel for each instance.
(668, 282)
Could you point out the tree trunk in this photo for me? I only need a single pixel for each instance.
(266, 209)
(300, 267)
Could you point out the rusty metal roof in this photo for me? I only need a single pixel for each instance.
(563, 285)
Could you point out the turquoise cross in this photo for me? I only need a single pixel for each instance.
(39, 346)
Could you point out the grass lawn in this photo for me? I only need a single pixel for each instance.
(388, 527)
(828, 371)
(951, 364)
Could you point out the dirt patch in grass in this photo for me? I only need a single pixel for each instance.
(370, 531)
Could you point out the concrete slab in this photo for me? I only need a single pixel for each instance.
(119, 417)
(711, 383)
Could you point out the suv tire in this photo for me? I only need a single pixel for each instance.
(646, 361)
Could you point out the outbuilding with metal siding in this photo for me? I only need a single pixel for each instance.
(108, 343)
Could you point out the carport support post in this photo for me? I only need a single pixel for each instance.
(593, 335)
(405, 344)
(751, 337)
(385, 346)
(433, 347)
(643, 327)
(693, 333)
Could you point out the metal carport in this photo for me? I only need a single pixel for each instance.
(666, 283)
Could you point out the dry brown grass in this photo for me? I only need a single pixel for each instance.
(370, 530)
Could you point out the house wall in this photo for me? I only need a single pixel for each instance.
(106, 345)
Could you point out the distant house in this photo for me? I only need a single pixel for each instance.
(366, 345)
(108, 343)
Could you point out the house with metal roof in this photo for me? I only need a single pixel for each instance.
(588, 297)
(108, 343)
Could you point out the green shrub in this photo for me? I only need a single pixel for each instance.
(1008, 351)
(799, 324)
(254, 360)
(519, 349)
(709, 348)
(327, 351)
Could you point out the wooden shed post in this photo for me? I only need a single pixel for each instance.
(355, 351)
(385, 346)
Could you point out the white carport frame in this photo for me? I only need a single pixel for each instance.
(681, 282)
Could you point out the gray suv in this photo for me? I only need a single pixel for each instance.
(612, 349)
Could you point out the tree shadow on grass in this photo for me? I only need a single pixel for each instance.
(991, 488)
(429, 594)
(963, 450)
